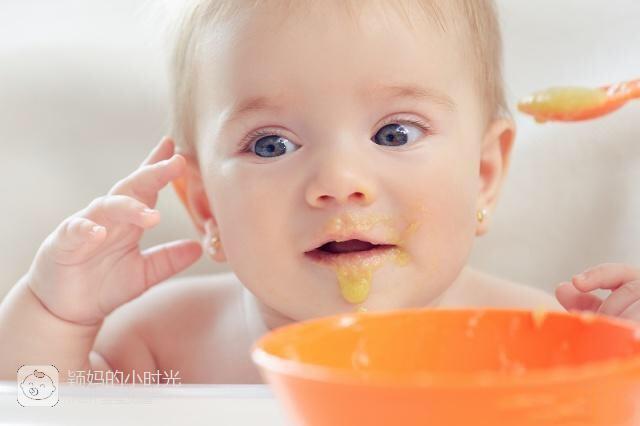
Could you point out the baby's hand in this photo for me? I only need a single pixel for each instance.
(623, 281)
(91, 263)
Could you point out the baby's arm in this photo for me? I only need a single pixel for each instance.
(90, 265)
(623, 281)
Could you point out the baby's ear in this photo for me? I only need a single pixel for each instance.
(190, 189)
(495, 154)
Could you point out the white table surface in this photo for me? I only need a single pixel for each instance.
(182, 404)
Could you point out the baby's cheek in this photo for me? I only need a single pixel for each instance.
(443, 231)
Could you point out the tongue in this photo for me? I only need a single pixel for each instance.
(346, 246)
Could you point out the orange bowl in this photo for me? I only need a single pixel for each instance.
(456, 367)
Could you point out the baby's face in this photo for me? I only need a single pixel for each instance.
(339, 157)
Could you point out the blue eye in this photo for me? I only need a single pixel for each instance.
(267, 144)
(397, 134)
(273, 145)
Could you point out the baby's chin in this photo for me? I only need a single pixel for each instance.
(391, 287)
(375, 302)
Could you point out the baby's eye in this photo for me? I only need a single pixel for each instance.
(273, 145)
(396, 133)
(266, 143)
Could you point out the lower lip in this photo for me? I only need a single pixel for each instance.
(354, 257)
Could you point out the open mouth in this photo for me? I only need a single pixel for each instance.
(346, 246)
(346, 249)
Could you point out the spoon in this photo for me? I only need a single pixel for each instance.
(578, 103)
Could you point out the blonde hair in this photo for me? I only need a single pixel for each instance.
(474, 20)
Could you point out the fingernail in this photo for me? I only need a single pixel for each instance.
(95, 229)
(149, 212)
(580, 277)
(168, 161)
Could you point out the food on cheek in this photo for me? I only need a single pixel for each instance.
(354, 258)
(354, 272)
(351, 223)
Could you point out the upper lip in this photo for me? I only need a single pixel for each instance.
(346, 237)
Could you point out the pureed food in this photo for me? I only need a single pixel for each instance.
(578, 103)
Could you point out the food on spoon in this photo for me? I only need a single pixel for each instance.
(578, 103)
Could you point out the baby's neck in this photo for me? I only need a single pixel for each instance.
(271, 318)
(267, 316)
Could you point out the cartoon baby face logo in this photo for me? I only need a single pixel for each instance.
(37, 385)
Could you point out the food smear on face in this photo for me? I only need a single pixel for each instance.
(354, 277)
(354, 270)
(351, 222)
(355, 283)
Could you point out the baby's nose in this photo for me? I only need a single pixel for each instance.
(339, 183)
(328, 199)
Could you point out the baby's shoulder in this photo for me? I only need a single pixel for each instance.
(194, 290)
(189, 303)
(195, 325)
(184, 309)
(500, 292)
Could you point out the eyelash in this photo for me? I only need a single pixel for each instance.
(246, 142)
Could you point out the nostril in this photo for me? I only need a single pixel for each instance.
(358, 196)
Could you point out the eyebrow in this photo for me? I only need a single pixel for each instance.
(418, 93)
(411, 92)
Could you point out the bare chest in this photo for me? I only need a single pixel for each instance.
(209, 349)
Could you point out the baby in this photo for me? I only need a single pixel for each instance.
(340, 155)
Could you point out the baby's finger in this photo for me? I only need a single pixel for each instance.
(121, 209)
(166, 260)
(606, 276)
(573, 299)
(632, 312)
(75, 232)
(162, 151)
(145, 183)
(74, 240)
(621, 299)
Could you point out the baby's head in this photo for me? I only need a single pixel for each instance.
(307, 122)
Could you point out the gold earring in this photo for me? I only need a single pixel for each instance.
(481, 215)
(213, 246)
